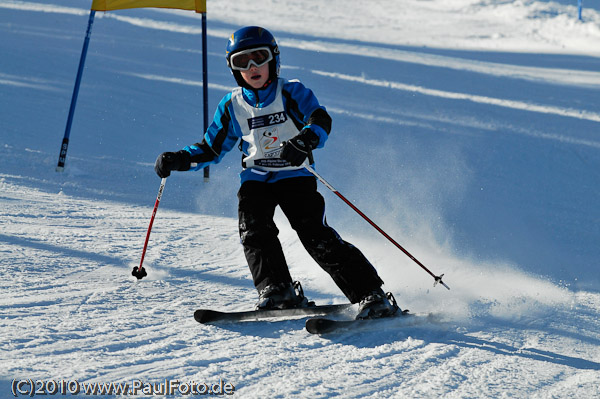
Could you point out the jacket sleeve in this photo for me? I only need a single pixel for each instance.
(218, 140)
(304, 109)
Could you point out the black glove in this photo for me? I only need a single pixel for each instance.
(168, 161)
(298, 148)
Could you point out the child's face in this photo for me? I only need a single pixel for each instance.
(256, 77)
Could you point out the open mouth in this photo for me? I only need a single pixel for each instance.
(256, 77)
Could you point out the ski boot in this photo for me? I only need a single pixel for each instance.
(377, 304)
(282, 296)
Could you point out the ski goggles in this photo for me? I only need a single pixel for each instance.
(243, 60)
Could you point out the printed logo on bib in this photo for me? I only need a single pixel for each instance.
(267, 120)
(269, 142)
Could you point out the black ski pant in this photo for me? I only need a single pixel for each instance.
(304, 207)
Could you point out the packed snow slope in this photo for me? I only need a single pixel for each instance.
(469, 130)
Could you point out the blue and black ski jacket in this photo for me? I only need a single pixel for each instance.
(300, 105)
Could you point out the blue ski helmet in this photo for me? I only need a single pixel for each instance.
(251, 37)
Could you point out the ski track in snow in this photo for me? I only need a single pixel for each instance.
(65, 302)
(70, 310)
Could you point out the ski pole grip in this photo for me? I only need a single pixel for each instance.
(311, 160)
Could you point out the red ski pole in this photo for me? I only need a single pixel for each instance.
(139, 272)
(438, 279)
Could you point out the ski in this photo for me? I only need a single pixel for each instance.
(205, 316)
(322, 325)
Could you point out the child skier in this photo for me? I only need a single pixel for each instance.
(279, 123)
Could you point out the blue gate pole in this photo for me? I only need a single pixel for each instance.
(65, 143)
(579, 7)
(205, 84)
